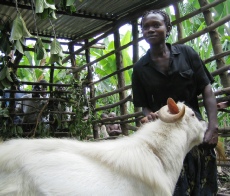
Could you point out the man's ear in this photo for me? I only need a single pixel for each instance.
(169, 28)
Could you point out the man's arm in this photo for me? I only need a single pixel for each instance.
(211, 135)
(18, 107)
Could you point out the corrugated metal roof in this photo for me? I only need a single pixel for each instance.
(90, 17)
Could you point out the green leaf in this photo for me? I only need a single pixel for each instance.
(41, 54)
(38, 73)
(53, 15)
(5, 46)
(26, 33)
(61, 54)
(39, 7)
(44, 14)
(29, 57)
(3, 73)
(19, 130)
(1, 87)
(53, 58)
(6, 113)
(70, 2)
(8, 75)
(17, 29)
(73, 9)
(55, 47)
(56, 52)
(59, 61)
(45, 9)
(23, 42)
(49, 4)
(19, 46)
(40, 50)
(126, 38)
(6, 83)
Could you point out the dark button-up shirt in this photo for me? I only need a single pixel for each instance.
(186, 78)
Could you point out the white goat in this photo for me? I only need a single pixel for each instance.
(146, 163)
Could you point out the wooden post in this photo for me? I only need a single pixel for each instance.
(73, 60)
(179, 25)
(89, 79)
(120, 76)
(216, 44)
(135, 57)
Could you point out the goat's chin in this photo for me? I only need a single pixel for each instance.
(204, 124)
(193, 145)
(199, 140)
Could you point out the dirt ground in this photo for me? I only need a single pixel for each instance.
(224, 174)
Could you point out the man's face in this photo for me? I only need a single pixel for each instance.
(40, 88)
(154, 29)
(43, 88)
(59, 88)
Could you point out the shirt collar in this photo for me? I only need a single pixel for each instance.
(174, 51)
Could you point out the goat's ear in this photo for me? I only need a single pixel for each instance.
(172, 106)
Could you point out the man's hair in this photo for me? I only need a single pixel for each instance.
(44, 82)
(103, 115)
(38, 86)
(166, 17)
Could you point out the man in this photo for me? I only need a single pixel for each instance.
(31, 108)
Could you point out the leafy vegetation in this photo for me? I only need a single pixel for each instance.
(13, 34)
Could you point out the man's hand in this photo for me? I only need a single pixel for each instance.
(150, 117)
(211, 138)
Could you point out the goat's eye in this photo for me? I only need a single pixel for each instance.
(193, 114)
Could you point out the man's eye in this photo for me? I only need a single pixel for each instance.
(155, 26)
(145, 27)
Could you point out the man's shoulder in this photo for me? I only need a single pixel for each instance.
(182, 48)
(27, 96)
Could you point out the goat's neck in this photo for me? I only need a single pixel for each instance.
(171, 151)
(153, 157)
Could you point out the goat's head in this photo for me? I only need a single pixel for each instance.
(186, 119)
(171, 112)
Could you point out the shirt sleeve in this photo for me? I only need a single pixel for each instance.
(139, 95)
(202, 75)
(18, 107)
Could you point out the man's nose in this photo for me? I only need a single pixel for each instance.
(151, 28)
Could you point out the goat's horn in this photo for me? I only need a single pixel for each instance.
(171, 113)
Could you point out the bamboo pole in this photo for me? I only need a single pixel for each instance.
(179, 25)
(135, 34)
(121, 79)
(110, 106)
(216, 44)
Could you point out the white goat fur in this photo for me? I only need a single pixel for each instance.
(146, 163)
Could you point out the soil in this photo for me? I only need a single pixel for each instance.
(224, 174)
